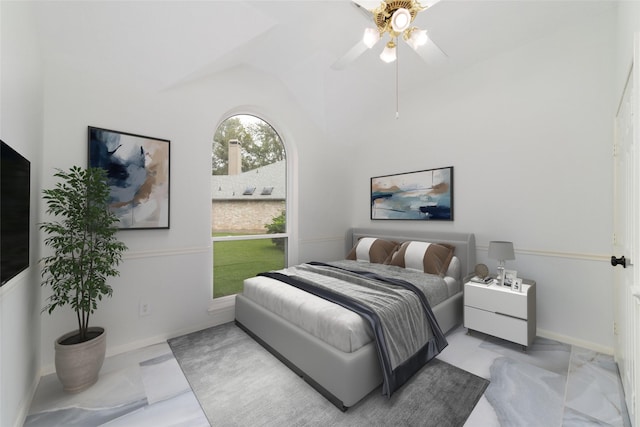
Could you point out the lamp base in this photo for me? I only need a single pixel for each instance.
(500, 273)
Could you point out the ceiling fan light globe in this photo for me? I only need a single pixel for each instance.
(400, 20)
(371, 37)
(418, 38)
(388, 55)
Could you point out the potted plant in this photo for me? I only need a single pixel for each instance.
(86, 253)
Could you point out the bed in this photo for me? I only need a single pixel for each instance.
(344, 372)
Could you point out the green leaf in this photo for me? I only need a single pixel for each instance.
(82, 236)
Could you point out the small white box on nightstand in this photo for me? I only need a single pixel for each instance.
(502, 312)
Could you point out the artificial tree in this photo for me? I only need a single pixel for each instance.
(86, 251)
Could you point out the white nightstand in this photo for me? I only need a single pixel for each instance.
(501, 312)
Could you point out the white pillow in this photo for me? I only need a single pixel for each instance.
(371, 249)
(432, 258)
(454, 268)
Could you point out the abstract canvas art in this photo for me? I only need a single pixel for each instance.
(138, 175)
(423, 195)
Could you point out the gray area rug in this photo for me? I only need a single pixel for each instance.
(239, 383)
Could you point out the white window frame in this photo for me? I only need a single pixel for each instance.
(291, 251)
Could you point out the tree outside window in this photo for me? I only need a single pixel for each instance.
(248, 202)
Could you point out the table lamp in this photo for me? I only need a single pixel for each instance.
(501, 251)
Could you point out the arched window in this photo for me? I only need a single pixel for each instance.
(248, 202)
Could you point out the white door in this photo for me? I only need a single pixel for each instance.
(627, 239)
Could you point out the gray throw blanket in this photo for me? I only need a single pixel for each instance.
(432, 286)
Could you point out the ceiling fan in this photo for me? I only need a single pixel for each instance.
(392, 18)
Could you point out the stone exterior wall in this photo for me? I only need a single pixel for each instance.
(244, 215)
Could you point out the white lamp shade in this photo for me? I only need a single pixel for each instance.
(400, 20)
(501, 250)
(418, 38)
(371, 37)
(389, 53)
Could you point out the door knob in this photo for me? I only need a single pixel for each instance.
(619, 261)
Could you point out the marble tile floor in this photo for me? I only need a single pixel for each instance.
(551, 384)
(145, 387)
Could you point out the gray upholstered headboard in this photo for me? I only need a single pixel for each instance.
(465, 243)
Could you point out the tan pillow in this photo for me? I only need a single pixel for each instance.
(432, 258)
(371, 249)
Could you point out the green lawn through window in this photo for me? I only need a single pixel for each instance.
(237, 260)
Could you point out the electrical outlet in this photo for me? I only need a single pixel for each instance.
(144, 308)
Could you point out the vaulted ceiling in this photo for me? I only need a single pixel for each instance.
(164, 44)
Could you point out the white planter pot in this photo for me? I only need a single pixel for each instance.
(78, 365)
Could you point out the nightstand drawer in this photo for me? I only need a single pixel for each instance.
(491, 323)
(497, 299)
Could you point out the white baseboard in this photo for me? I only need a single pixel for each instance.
(25, 405)
(574, 341)
(217, 317)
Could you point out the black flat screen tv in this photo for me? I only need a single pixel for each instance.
(15, 199)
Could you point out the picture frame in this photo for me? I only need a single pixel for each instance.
(509, 277)
(138, 173)
(516, 286)
(425, 195)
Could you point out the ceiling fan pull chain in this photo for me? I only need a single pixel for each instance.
(397, 85)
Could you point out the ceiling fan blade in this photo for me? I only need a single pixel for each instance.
(368, 4)
(431, 53)
(366, 13)
(428, 3)
(353, 53)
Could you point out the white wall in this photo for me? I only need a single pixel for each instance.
(172, 269)
(21, 128)
(628, 24)
(529, 134)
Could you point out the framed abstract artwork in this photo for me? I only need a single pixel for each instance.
(423, 195)
(138, 176)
